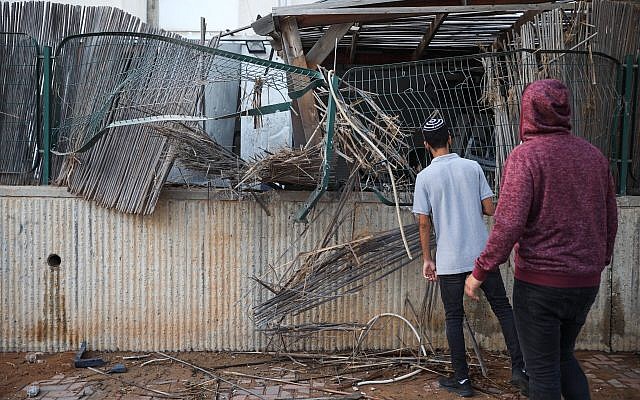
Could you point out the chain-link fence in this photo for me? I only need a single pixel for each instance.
(19, 105)
(479, 98)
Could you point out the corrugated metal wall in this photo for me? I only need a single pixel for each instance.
(180, 279)
(625, 282)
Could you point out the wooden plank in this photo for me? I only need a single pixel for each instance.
(428, 35)
(305, 105)
(354, 44)
(264, 26)
(292, 43)
(391, 56)
(326, 44)
(526, 17)
(306, 21)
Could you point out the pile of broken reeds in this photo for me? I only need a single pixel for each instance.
(313, 328)
(334, 271)
(373, 142)
(196, 151)
(330, 376)
(372, 139)
(286, 166)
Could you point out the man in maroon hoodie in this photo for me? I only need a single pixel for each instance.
(557, 206)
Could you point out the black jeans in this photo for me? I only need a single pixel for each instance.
(452, 293)
(548, 321)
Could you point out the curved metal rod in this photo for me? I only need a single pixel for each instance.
(363, 334)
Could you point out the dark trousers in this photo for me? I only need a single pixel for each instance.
(548, 321)
(452, 294)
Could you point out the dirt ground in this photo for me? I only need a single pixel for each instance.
(611, 376)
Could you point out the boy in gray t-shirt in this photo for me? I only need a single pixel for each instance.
(454, 192)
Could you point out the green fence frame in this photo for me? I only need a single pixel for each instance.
(301, 216)
(631, 78)
(47, 60)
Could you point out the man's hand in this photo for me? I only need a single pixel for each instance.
(471, 285)
(429, 270)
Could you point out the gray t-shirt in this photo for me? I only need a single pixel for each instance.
(451, 190)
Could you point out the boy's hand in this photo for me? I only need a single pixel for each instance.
(471, 285)
(429, 270)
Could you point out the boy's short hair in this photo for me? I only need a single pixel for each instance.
(435, 132)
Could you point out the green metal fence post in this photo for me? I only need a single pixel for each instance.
(626, 124)
(614, 156)
(46, 115)
(301, 216)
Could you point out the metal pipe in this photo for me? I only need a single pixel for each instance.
(626, 125)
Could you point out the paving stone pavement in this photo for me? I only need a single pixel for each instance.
(60, 387)
(271, 391)
(609, 369)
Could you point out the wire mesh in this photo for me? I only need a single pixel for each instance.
(19, 127)
(479, 98)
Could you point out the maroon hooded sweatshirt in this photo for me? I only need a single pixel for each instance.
(557, 200)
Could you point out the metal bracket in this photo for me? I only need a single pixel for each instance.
(78, 362)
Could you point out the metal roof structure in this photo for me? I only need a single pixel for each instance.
(377, 31)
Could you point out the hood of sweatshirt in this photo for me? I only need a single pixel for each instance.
(545, 110)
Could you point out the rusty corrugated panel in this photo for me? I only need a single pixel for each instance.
(180, 278)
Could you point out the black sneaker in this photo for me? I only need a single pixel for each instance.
(461, 387)
(520, 380)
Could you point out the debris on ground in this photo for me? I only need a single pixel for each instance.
(79, 362)
(248, 376)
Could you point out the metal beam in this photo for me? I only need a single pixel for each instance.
(333, 4)
(314, 197)
(395, 12)
(429, 34)
(627, 123)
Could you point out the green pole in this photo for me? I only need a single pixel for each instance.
(614, 157)
(46, 115)
(626, 124)
(301, 216)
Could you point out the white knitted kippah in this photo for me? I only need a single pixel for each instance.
(433, 124)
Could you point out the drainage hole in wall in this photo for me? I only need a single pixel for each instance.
(54, 260)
